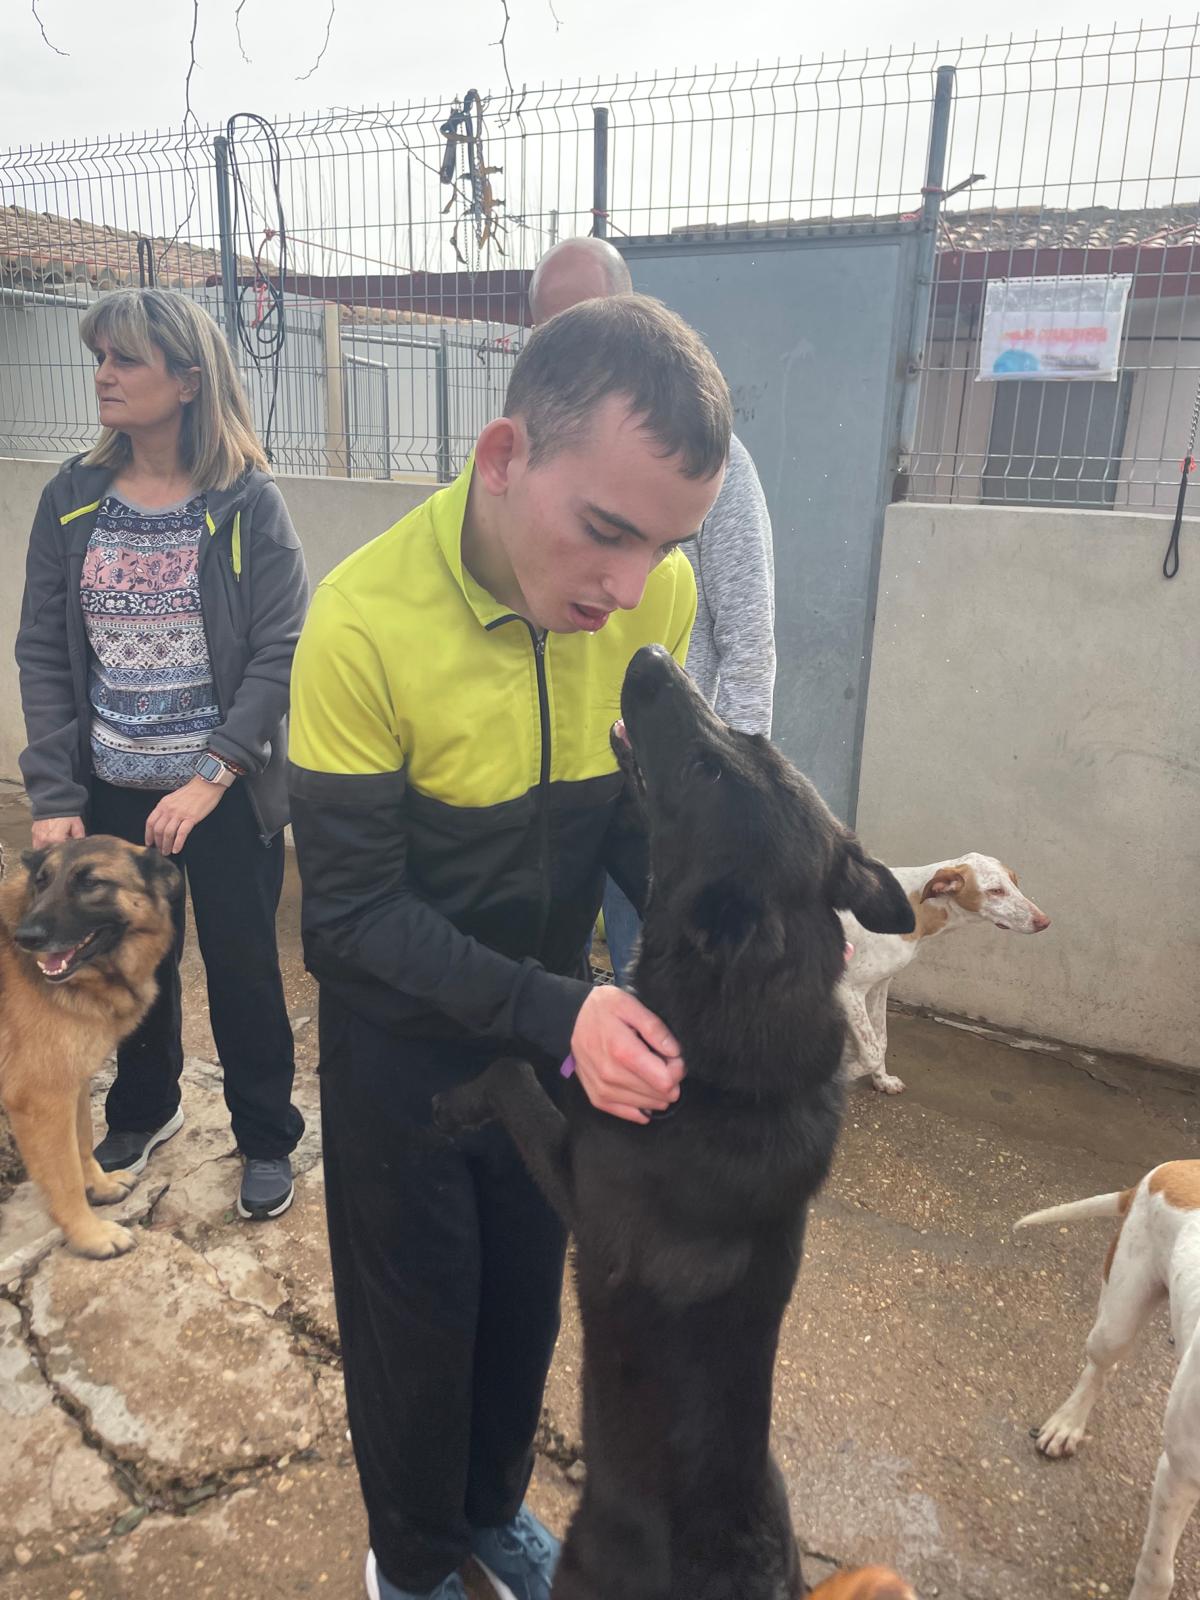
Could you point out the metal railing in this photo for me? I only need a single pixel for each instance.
(1069, 156)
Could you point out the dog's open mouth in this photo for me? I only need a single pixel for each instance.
(56, 966)
(622, 747)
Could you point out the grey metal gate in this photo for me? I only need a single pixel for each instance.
(812, 332)
(368, 426)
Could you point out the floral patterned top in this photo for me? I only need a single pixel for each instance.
(150, 680)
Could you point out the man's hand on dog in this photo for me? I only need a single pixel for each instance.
(625, 1056)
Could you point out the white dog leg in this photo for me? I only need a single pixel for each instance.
(1126, 1301)
(1176, 1483)
(876, 1000)
(861, 1055)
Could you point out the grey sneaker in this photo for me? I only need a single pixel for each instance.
(378, 1587)
(129, 1152)
(267, 1188)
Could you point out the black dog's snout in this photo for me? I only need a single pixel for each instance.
(649, 670)
(31, 935)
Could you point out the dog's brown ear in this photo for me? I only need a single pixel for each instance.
(946, 880)
(865, 886)
(32, 860)
(160, 874)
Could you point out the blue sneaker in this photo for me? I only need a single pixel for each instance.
(378, 1587)
(519, 1558)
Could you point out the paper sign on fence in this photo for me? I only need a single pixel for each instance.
(1052, 328)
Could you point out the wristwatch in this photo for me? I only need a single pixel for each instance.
(215, 769)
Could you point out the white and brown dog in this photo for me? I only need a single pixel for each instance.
(1156, 1253)
(949, 894)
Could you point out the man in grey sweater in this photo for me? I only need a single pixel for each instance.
(732, 654)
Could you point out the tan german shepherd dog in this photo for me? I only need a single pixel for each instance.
(83, 927)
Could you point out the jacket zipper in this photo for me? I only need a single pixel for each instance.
(539, 661)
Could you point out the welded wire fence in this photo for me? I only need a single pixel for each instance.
(1089, 150)
(399, 275)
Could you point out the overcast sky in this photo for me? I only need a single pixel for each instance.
(126, 59)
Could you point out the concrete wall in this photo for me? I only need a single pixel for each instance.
(333, 516)
(1035, 695)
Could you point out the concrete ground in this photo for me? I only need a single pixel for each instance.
(171, 1423)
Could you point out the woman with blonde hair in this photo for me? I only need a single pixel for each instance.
(165, 588)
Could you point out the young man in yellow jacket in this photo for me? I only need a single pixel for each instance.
(456, 807)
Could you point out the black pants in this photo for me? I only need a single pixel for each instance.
(447, 1273)
(235, 882)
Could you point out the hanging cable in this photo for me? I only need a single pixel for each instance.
(262, 331)
(1171, 559)
(145, 261)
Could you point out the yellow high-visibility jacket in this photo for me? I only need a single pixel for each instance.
(454, 795)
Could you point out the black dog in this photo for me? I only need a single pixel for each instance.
(689, 1230)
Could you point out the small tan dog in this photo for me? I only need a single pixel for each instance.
(1155, 1254)
(83, 927)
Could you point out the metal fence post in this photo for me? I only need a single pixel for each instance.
(600, 172)
(338, 443)
(229, 283)
(441, 375)
(931, 198)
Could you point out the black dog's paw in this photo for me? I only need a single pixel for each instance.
(460, 1109)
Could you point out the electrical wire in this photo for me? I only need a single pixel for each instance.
(263, 335)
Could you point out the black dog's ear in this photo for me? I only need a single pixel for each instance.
(160, 874)
(32, 860)
(725, 921)
(866, 887)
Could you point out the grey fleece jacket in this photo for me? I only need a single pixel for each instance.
(731, 658)
(253, 596)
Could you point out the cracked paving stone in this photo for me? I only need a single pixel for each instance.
(245, 1279)
(295, 1249)
(307, 1538)
(201, 1198)
(299, 1532)
(201, 1163)
(182, 1383)
(27, 1234)
(51, 1483)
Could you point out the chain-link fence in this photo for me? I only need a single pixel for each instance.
(372, 264)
